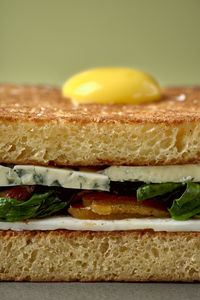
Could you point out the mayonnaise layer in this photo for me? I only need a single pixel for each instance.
(69, 223)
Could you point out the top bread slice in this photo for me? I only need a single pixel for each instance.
(38, 126)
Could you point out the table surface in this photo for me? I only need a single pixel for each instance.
(95, 291)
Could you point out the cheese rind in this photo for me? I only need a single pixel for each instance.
(70, 223)
(154, 174)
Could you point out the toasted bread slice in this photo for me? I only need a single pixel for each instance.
(38, 126)
(63, 255)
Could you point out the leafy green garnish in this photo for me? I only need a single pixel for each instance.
(181, 199)
(149, 191)
(40, 205)
(188, 205)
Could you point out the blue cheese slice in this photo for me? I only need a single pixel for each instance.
(8, 177)
(154, 174)
(66, 178)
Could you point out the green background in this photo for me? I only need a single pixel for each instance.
(46, 41)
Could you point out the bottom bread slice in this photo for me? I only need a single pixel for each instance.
(63, 255)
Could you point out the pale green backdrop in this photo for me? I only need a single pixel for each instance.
(46, 41)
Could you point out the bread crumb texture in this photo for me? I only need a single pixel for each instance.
(38, 126)
(101, 256)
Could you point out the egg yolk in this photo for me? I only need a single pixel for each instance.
(112, 85)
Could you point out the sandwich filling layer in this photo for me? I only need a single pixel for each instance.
(70, 223)
(112, 193)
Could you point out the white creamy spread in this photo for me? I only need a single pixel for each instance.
(69, 223)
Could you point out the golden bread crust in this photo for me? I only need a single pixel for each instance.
(46, 104)
(38, 126)
(63, 255)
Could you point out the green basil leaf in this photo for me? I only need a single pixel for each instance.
(188, 205)
(39, 205)
(149, 191)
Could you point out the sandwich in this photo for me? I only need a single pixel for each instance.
(99, 192)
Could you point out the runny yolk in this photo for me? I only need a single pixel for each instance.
(112, 85)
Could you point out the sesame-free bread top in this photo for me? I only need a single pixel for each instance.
(38, 126)
(46, 103)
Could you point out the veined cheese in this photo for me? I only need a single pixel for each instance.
(66, 178)
(8, 177)
(49, 176)
(92, 180)
(154, 174)
(69, 223)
